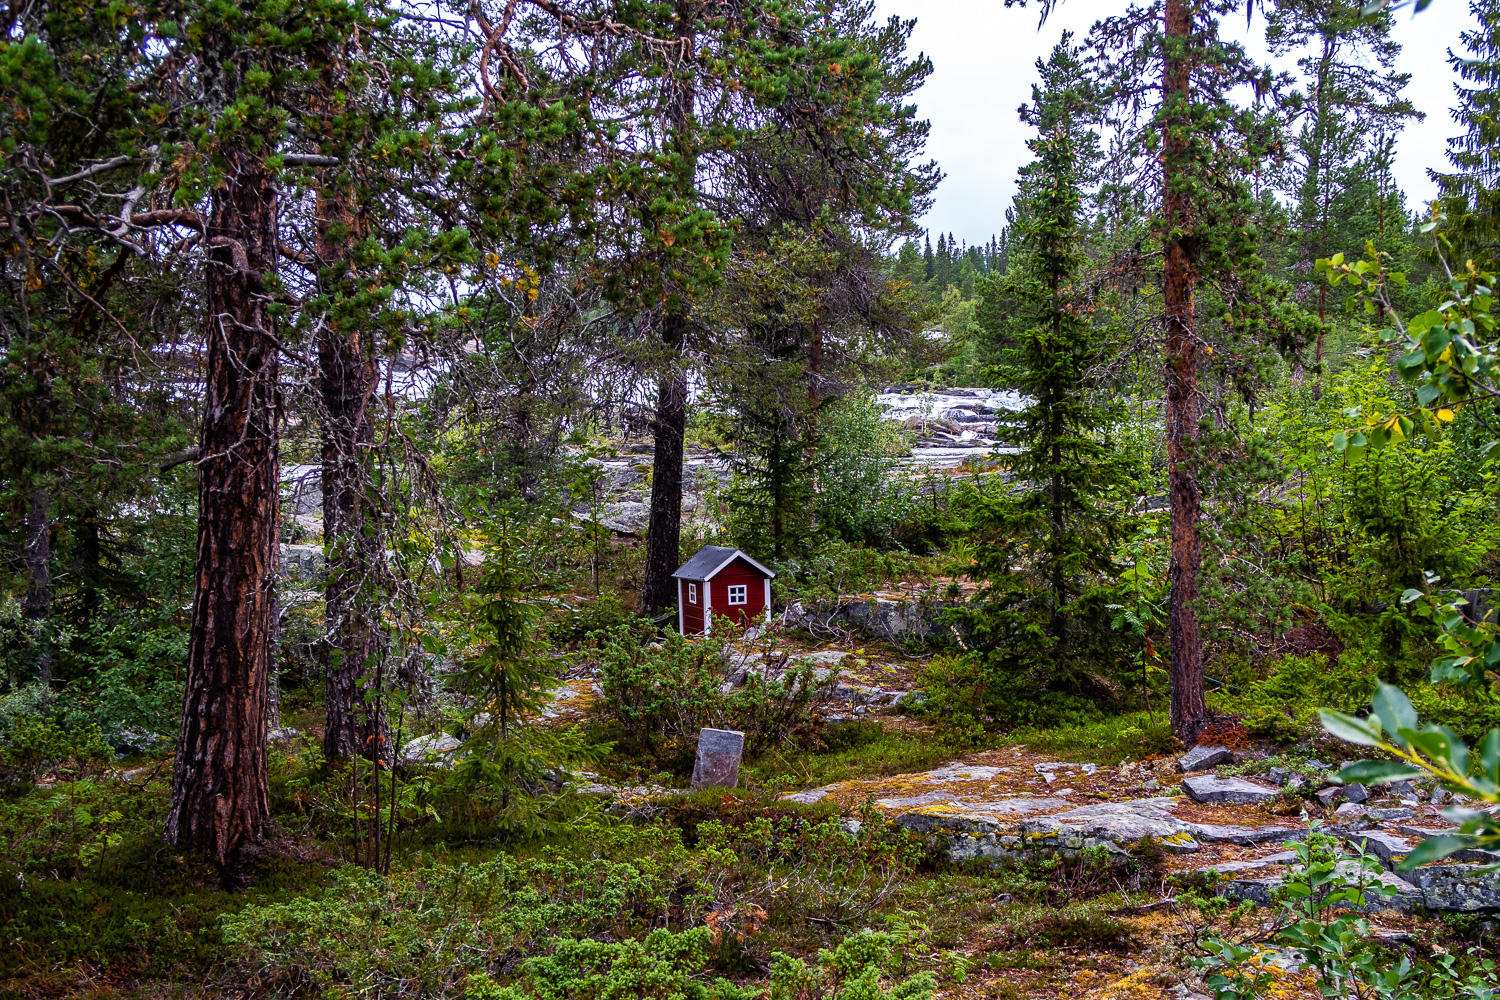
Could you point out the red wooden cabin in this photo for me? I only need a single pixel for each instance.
(721, 582)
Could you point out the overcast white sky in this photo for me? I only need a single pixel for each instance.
(984, 59)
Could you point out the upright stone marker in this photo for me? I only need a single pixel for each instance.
(719, 753)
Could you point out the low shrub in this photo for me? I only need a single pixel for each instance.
(35, 746)
(1283, 704)
(661, 696)
(558, 928)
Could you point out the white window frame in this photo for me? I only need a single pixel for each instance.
(692, 593)
(740, 590)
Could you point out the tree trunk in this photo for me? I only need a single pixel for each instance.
(664, 531)
(38, 605)
(1189, 710)
(347, 376)
(220, 805)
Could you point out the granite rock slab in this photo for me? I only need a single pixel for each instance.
(1212, 789)
(1203, 758)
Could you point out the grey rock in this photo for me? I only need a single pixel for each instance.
(1400, 788)
(807, 798)
(963, 772)
(129, 740)
(1231, 867)
(1118, 822)
(972, 817)
(1318, 765)
(1151, 785)
(1328, 796)
(1281, 857)
(283, 734)
(1245, 835)
(1455, 887)
(851, 826)
(908, 801)
(890, 619)
(1384, 846)
(1228, 791)
(718, 763)
(1350, 811)
(1356, 792)
(437, 749)
(1400, 896)
(1439, 796)
(1203, 758)
(304, 563)
(627, 518)
(1279, 776)
(1391, 815)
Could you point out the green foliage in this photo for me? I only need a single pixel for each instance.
(604, 613)
(1282, 704)
(133, 678)
(36, 745)
(661, 696)
(592, 926)
(422, 932)
(1341, 948)
(851, 971)
(1469, 194)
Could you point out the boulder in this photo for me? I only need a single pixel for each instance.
(1203, 758)
(958, 818)
(1398, 815)
(1356, 792)
(438, 749)
(1328, 796)
(1455, 887)
(1399, 895)
(1226, 791)
(628, 518)
(1119, 822)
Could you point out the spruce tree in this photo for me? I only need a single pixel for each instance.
(1061, 522)
(1470, 195)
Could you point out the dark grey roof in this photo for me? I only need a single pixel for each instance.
(712, 558)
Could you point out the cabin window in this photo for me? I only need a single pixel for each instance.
(692, 593)
(737, 594)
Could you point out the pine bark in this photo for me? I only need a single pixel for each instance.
(1189, 711)
(347, 377)
(38, 604)
(664, 531)
(220, 804)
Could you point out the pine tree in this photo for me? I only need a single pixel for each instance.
(1202, 148)
(1470, 195)
(928, 260)
(1353, 100)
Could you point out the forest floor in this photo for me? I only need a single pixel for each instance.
(86, 915)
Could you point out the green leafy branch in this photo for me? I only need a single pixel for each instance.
(1449, 352)
(1431, 751)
